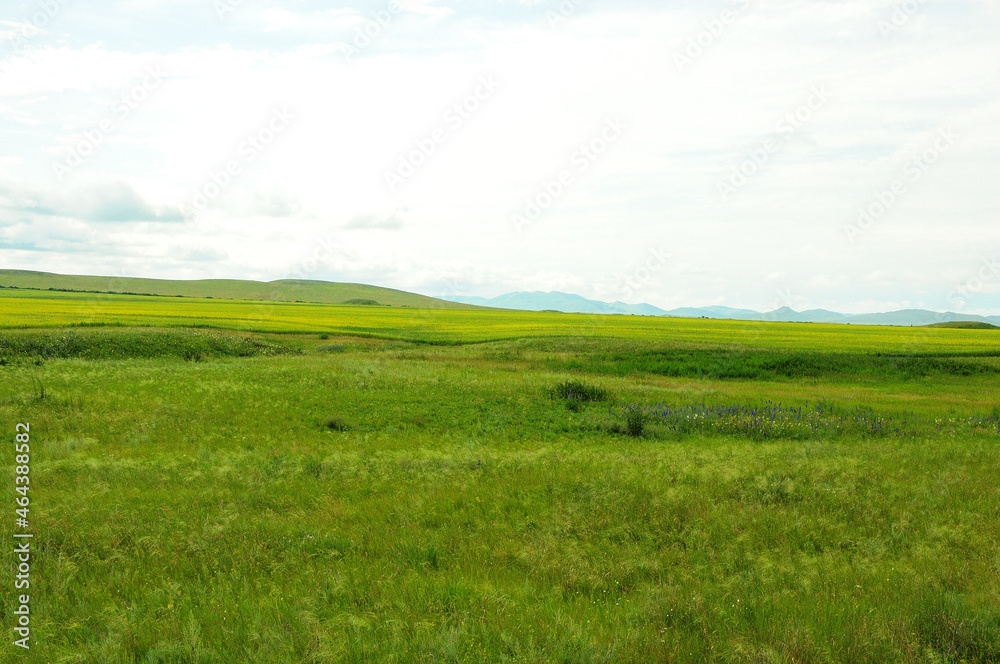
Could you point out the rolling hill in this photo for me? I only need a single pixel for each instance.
(966, 325)
(285, 290)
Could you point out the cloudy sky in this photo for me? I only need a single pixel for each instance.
(752, 153)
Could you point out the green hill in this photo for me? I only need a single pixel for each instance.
(285, 290)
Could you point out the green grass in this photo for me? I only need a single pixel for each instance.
(367, 499)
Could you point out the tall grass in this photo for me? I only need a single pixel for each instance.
(205, 512)
(130, 343)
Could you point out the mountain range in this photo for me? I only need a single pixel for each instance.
(568, 303)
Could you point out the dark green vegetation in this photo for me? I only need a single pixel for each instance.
(131, 343)
(575, 390)
(966, 325)
(285, 290)
(754, 365)
(574, 394)
(361, 300)
(635, 421)
(362, 500)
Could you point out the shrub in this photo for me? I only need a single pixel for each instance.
(335, 424)
(312, 466)
(635, 421)
(576, 391)
(192, 355)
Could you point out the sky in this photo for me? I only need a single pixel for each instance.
(832, 154)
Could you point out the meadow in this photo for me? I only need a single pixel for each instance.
(31, 309)
(236, 481)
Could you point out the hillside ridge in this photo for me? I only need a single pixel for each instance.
(281, 290)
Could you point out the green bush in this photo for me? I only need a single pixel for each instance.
(635, 421)
(335, 424)
(576, 391)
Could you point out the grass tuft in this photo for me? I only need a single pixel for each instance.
(335, 424)
(635, 421)
(575, 390)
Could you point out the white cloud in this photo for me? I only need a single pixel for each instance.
(101, 201)
(657, 186)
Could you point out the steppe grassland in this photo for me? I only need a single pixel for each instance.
(39, 309)
(362, 499)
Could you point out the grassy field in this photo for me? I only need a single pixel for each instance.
(34, 309)
(313, 483)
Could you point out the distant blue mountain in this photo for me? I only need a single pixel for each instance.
(556, 301)
(569, 303)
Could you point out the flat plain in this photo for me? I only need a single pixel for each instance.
(239, 481)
